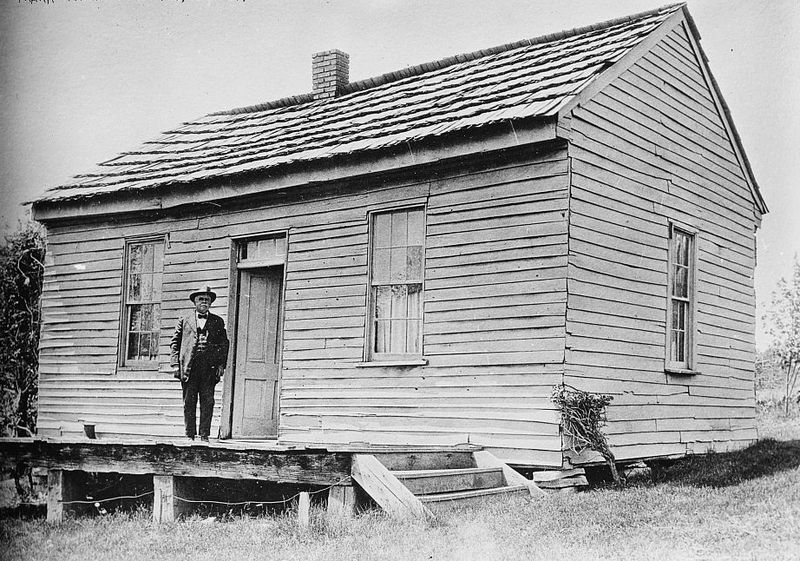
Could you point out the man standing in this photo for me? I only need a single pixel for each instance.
(199, 353)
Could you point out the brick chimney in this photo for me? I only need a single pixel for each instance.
(330, 71)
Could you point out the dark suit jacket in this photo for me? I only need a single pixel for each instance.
(185, 339)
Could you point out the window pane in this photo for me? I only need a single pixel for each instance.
(416, 229)
(144, 346)
(135, 288)
(146, 288)
(147, 258)
(414, 263)
(383, 302)
(135, 258)
(383, 307)
(682, 248)
(399, 301)
(398, 265)
(381, 264)
(680, 282)
(135, 315)
(414, 336)
(414, 322)
(679, 315)
(133, 346)
(382, 236)
(399, 229)
(678, 346)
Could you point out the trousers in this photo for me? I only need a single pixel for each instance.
(201, 383)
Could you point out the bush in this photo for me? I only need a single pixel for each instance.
(21, 273)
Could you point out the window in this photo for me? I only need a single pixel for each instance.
(144, 266)
(680, 317)
(396, 285)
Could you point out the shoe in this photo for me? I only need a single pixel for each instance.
(190, 438)
(204, 438)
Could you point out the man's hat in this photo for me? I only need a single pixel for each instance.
(204, 290)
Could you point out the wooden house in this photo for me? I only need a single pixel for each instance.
(420, 257)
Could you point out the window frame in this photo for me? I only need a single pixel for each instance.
(123, 363)
(371, 357)
(689, 364)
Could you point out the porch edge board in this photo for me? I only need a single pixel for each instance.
(311, 468)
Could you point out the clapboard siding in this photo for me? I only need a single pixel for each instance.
(650, 148)
(495, 301)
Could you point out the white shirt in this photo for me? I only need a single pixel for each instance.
(201, 322)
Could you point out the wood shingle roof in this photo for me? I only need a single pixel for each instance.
(528, 79)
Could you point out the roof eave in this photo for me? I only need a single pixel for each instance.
(433, 150)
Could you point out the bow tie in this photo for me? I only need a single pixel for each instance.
(202, 316)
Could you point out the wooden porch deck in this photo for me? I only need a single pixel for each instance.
(267, 460)
(178, 465)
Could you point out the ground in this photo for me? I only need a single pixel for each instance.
(742, 505)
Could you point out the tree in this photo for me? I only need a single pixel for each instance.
(21, 273)
(783, 326)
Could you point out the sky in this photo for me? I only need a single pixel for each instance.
(82, 80)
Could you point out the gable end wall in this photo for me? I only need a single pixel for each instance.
(647, 149)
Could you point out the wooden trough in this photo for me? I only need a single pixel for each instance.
(403, 481)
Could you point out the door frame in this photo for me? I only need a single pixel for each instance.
(226, 418)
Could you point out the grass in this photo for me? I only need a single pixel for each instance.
(740, 505)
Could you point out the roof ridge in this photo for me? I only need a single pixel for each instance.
(425, 67)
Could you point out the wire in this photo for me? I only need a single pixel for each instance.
(284, 501)
(95, 501)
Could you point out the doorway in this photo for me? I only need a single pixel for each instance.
(257, 369)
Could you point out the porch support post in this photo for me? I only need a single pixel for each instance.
(303, 511)
(163, 498)
(61, 487)
(166, 489)
(341, 503)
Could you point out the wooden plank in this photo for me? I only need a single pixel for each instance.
(341, 504)
(385, 489)
(486, 459)
(57, 491)
(486, 249)
(635, 157)
(303, 511)
(453, 240)
(537, 431)
(553, 164)
(399, 461)
(539, 291)
(164, 503)
(186, 460)
(511, 268)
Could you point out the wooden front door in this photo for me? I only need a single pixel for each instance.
(258, 344)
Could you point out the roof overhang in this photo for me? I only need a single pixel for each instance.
(403, 157)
